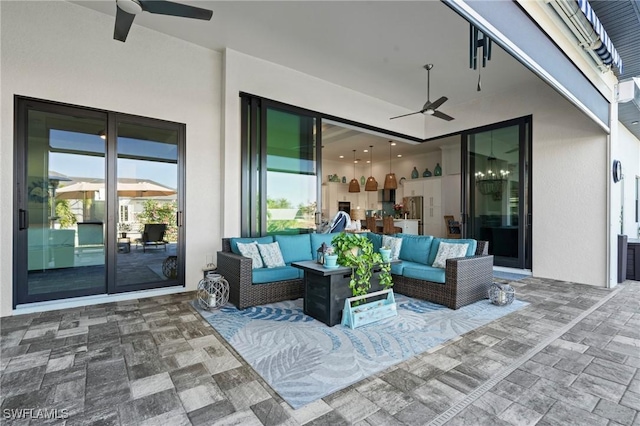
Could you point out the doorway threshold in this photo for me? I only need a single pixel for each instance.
(75, 302)
(511, 273)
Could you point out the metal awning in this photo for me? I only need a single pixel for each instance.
(606, 51)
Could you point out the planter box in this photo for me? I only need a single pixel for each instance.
(356, 316)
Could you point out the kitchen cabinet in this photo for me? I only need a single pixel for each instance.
(413, 188)
(431, 190)
(409, 226)
(432, 220)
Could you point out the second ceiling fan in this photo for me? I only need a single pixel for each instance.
(127, 10)
(430, 108)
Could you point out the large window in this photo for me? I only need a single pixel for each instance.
(280, 169)
(89, 184)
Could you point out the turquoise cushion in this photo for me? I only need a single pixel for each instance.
(295, 248)
(269, 275)
(261, 240)
(415, 248)
(435, 245)
(423, 272)
(396, 268)
(376, 240)
(318, 239)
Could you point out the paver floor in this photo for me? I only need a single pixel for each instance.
(570, 358)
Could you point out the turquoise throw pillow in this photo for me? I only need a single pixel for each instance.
(318, 239)
(376, 240)
(295, 248)
(415, 248)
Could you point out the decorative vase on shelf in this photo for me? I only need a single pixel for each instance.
(414, 173)
(362, 180)
(344, 179)
(426, 173)
(438, 170)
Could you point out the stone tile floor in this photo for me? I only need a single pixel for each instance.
(571, 357)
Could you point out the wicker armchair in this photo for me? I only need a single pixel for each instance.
(237, 271)
(467, 280)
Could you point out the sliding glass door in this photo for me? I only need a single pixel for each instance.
(497, 187)
(147, 199)
(89, 184)
(61, 220)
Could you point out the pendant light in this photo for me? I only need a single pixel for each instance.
(372, 184)
(354, 186)
(390, 181)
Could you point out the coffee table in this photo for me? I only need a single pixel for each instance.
(326, 289)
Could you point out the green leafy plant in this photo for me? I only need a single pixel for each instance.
(66, 218)
(357, 252)
(156, 212)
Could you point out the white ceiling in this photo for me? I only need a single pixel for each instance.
(374, 47)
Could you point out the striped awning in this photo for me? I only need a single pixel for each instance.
(605, 51)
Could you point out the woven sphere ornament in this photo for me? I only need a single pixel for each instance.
(213, 292)
(170, 267)
(501, 294)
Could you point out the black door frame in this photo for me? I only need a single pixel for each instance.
(22, 105)
(467, 199)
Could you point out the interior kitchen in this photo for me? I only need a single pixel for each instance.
(367, 175)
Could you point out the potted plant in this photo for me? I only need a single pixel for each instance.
(357, 252)
(385, 252)
(124, 227)
(330, 258)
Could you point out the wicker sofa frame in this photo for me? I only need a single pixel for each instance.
(237, 271)
(467, 280)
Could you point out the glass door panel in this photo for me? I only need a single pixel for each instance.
(65, 205)
(496, 192)
(291, 177)
(147, 206)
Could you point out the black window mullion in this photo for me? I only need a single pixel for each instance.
(111, 207)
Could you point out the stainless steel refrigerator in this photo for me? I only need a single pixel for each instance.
(413, 205)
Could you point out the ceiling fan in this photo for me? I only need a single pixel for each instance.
(128, 9)
(430, 108)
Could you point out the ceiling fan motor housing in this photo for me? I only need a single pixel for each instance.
(129, 6)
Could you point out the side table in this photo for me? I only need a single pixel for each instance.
(213, 291)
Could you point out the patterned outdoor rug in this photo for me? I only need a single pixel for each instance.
(304, 360)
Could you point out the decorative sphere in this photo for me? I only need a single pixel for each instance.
(501, 294)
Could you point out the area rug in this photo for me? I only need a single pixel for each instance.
(304, 360)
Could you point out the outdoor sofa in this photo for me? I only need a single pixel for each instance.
(251, 287)
(463, 281)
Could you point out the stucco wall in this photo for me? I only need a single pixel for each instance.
(629, 155)
(569, 175)
(64, 52)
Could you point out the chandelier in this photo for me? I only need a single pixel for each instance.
(492, 180)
